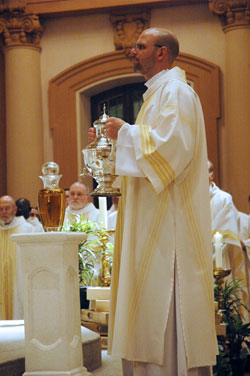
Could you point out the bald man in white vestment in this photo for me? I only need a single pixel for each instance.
(79, 205)
(162, 307)
(11, 302)
(224, 217)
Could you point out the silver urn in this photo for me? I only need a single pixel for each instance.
(99, 160)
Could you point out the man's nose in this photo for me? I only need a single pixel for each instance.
(133, 51)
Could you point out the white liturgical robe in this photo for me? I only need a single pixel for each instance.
(163, 234)
(244, 228)
(224, 218)
(88, 213)
(11, 302)
(38, 227)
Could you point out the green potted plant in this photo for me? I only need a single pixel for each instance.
(233, 355)
(89, 250)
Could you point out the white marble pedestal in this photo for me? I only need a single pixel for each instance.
(51, 303)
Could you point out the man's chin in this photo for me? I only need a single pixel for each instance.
(76, 207)
(137, 67)
(6, 221)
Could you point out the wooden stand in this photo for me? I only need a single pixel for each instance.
(97, 316)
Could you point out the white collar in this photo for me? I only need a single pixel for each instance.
(213, 189)
(17, 221)
(152, 80)
(89, 207)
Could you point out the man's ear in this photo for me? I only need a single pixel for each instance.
(162, 53)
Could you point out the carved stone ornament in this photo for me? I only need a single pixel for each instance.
(18, 29)
(232, 13)
(12, 5)
(128, 27)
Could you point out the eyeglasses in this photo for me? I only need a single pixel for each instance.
(141, 47)
(78, 194)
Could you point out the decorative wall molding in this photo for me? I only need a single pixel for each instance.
(57, 8)
(232, 13)
(20, 29)
(127, 28)
(13, 5)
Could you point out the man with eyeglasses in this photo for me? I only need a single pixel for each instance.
(162, 306)
(79, 204)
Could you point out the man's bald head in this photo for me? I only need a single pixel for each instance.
(7, 209)
(164, 37)
(155, 50)
(210, 167)
(78, 196)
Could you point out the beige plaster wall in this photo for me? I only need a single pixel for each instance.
(69, 40)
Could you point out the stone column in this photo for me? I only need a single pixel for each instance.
(235, 18)
(49, 264)
(24, 134)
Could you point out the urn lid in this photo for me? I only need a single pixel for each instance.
(103, 118)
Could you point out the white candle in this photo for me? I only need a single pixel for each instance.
(218, 250)
(103, 215)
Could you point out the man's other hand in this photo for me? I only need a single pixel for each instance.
(113, 126)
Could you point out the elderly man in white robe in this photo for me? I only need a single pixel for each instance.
(79, 205)
(162, 308)
(11, 302)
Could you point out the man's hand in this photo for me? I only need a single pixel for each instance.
(113, 126)
(91, 134)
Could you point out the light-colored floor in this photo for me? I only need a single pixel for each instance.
(110, 366)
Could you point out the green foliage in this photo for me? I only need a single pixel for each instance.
(223, 366)
(237, 345)
(89, 250)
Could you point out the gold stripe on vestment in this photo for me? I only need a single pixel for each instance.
(142, 110)
(148, 254)
(161, 167)
(117, 256)
(7, 273)
(199, 248)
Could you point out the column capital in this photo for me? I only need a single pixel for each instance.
(232, 13)
(12, 5)
(127, 27)
(18, 28)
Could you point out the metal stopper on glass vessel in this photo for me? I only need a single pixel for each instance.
(51, 199)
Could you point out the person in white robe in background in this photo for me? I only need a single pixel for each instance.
(224, 216)
(244, 229)
(79, 205)
(162, 306)
(24, 209)
(34, 220)
(11, 297)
